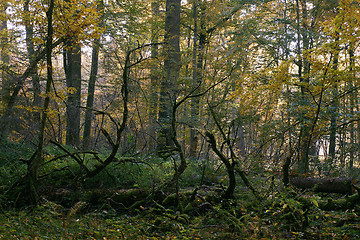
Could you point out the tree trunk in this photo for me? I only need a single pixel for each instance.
(4, 50)
(198, 66)
(194, 112)
(31, 55)
(72, 66)
(230, 167)
(333, 109)
(35, 162)
(91, 87)
(5, 80)
(171, 72)
(353, 96)
(240, 139)
(303, 71)
(15, 90)
(326, 185)
(154, 80)
(90, 97)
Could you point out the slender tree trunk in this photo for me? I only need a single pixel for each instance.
(353, 96)
(90, 96)
(357, 128)
(198, 62)
(5, 60)
(7, 114)
(31, 55)
(194, 106)
(154, 80)
(35, 162)
(92, 82)
(241, 139)
(334, 104)
(171, 73)
(4, 50)
(303, 153)
(303, 74)
(333, 111)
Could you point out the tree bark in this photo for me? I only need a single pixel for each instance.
(119, 127)
(303, 44)
(172, 63)
(91, 86)
(230, 166)
(353, 96)
(334, 108)
(326, 185)
(90, 97)
(5, 60)
(72, 66)
(154, 79)
(198, 62)
(35, 162)
(31, 55)
(18, 84)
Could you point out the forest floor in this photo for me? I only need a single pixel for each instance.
(126, 201)
(284, 218)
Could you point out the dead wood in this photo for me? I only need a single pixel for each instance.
(325, 185)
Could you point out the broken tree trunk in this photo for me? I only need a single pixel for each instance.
(326, 185)
(340, 204)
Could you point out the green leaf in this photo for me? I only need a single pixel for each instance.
(315, 202)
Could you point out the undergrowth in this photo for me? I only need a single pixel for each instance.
(235, 219)
(116, 205)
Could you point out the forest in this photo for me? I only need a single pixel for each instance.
(170, 119)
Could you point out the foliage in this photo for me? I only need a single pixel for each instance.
(262, 90)
(12, 157)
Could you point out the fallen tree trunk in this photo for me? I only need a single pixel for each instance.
(329, 204)
(326, 185)
(340, 204)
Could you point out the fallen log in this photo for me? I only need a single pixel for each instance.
(325, 185)
(340, 204)
(329, 204)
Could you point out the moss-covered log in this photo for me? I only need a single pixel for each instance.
(326, 185)
(340, 204)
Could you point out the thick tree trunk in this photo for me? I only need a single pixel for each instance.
(172, 65)
(72, 65)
